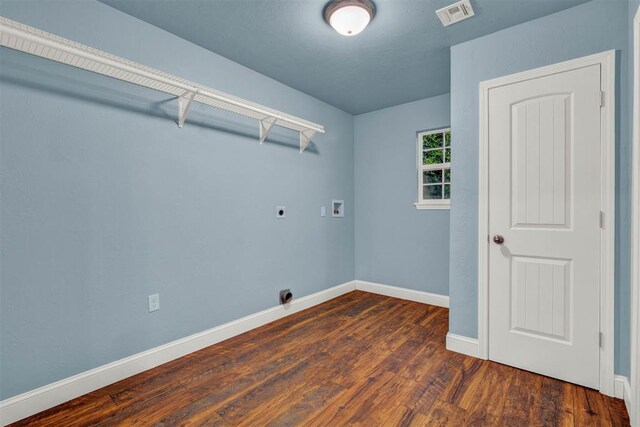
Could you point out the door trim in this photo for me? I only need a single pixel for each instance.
(634, 409)
(606, 60)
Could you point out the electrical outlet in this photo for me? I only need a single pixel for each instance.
(281, 212)
(323, 211)
(154, 302)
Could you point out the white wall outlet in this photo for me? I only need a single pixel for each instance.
(281, 212)
(154, 302)
(323, 211)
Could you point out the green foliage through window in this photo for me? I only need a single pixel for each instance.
(435, 171)
(434, 176)
(432, 140)
(432, 157)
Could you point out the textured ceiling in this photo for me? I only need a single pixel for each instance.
(402, 56)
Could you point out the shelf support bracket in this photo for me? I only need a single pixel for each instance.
(305, 138)
(265, 127)
(184, 104)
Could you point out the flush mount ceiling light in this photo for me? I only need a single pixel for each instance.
(349, 17)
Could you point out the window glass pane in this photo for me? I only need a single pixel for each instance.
(447, 138)
(447, 175)
(447, 191)
(432, 192)
(433, 140)
(447, 155)
(429, 177)
(432, 157)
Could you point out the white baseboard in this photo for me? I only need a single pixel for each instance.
(32, 402)
(622, 390)
(618, 386)
(464, 345)
(403, 293)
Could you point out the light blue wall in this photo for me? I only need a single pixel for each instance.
(395, 243)
(105, 200)
(586, 29)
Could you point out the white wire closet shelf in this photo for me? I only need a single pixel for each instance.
(24, 38)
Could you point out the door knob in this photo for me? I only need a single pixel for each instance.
(498, 239)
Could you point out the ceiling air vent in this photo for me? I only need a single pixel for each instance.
(455, 12)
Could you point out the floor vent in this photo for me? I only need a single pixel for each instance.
(455, 12)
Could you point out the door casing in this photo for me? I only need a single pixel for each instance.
(633, 405)
(606, 60)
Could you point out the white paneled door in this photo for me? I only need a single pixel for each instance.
(544, 223)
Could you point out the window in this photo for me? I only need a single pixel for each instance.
(434, 169)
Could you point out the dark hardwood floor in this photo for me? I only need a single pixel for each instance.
(360, 359)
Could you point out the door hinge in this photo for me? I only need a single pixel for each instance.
(602, 220)
(601, 339)
(603, 97)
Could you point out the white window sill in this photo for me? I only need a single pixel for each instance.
(428, 206)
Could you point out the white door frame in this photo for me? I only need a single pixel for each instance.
(606, 60)
(634, 409)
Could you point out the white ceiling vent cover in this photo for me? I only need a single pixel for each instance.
(455, 12)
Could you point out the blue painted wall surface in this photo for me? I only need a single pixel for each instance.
(395, 243)
(105, 200)
(586, 29)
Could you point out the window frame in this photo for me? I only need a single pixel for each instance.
(423, 203)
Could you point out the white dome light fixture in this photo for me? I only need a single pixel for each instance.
(349, 17)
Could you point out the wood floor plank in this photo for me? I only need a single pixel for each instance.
(567, 418)
(148, 412)
(83, 411)
(359, 359)
(522, 397)
(354, 402)
(405, 417)
(549, 411)
(380, 406)
(437, 380)
(445, 414)
(486, 405)
(617, 412)
(309, 403)
(466, 380)
(236, 409)
(590, 407)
